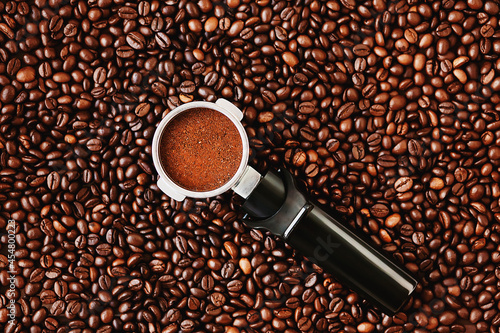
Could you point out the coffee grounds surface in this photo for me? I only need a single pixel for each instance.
(201, 149)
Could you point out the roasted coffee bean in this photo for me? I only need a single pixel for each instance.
(159, 89)
(57, 308)
(142, 109)
(70, 29)
(94, 144)
(53, 180)
(127, 12)
(125, 51)
(403, 184)
(188, 87)
(386, 161)
(306, 108)
(136, 40)
(346, 110)
(100, 75)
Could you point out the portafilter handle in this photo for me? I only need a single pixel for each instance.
(276, 205)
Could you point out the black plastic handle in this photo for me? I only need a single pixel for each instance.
(327, 242)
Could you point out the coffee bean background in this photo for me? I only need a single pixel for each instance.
(386, 111)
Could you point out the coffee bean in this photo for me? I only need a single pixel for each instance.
(379, 210)
(53, 180)
(227, 270)
(332, 145)
(57, 308)
(360, 49)
(6, 30)
(306, 108)
(198, 68)
(51, 323)
(290, 59)
(70, 30)
(159, 89)
(47, 297)
(403, 184)
(358, 151)
(142, 109)
(94, 144)
(136, 40)
(415, 148)
(346, 110)
(217, 299)
(269, 97)
(125, 51)
(25, 74)
(301, 80)
(13, 66)
(181, 244)
(283, 313)
(100, 75)
(312, 170)
(307, 134)
(135, 239)
(386, 161)
(187, 87)
(127, 12)
(7, 94)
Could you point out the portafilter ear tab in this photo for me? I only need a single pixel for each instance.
(327, 242)
(230, 107)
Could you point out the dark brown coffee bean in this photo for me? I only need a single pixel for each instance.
(360, 49)
(55, 23)
(142, 109)
(386, 161)
(300, 80)
(100, 75)
(6, 30)
(126, 12)
(136, 40)
(306, 108)
(125, 51)
(53, 180)
(159, 89)
(307, 133)
(228, 269)
(13, 66)
(188, 87)
(374, 139)
(163, 40)
(269, 97)
(70, 29)
(7, 94)
(358, 151)
(312, 170)
(47, 297)
(346, 110)
(379, 210)
(403, 184)
(234, 285)
(26, 74)
(198, 68)
(94, 144)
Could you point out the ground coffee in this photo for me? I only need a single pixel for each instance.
(201, 149)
